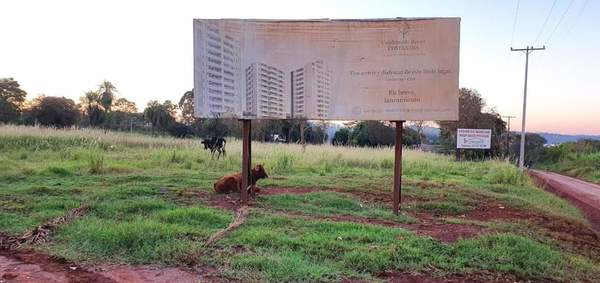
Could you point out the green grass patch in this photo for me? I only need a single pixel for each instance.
(128, 180)
(330, 203)
(287, 249)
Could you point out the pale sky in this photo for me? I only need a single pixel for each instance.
(64, 48)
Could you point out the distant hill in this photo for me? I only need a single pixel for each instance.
(552, 138)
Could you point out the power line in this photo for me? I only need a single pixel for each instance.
(560, 21)
(545, 22)
(578, 16)
(512, 37)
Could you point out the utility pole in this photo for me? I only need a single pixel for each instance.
(527, 50)
(508, 135)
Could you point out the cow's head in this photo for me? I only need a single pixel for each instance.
(206, 143)
(259, 172)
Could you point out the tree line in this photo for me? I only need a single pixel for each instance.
(103, 108)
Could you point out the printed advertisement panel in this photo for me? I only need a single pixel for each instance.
(395, 69)
(473, 138)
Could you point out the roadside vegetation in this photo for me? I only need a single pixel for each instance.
(324, 214)
(578, 159)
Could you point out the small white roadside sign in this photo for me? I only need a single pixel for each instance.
(473, 138)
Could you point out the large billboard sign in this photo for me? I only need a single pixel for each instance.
(473, 138)
(390, 69)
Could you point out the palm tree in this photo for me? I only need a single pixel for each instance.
(107, 94)
(90, 105)
(161, 116)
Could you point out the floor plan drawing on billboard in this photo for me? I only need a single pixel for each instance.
(394, 69)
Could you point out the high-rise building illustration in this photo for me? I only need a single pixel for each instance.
(217, 70)
(265, 91)
(311, 90)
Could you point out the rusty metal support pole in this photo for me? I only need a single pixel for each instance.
(246, 160)
(398, 167)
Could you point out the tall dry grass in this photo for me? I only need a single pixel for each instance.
(279, 157)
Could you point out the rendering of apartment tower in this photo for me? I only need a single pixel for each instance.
(311, 91)
(265, 92)
(217, 69)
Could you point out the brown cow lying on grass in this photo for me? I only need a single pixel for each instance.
(233, 183)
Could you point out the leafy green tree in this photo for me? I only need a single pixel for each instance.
(91, 106)
(107, 93)
(186, 105)
(54, 111)
(315, 134)
(341, 137)
(472, 115)
(215, 127)
(160, 116)
(12, 98)
(124, 105)
(411, 137)
(372, 133)
(534, 148)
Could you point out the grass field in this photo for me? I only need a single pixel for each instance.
(151, 202)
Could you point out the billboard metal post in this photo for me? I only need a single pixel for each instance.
(398, 167)
(246, 160)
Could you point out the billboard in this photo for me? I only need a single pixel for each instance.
(384, 69)
(473, 138)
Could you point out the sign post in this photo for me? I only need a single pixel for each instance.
(246, 160)
(365, 70)
(398, 167)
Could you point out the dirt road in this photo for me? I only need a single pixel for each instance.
(583, 194)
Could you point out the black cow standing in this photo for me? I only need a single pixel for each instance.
(215, 145)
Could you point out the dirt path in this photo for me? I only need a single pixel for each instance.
(31, 266)
(583, 194)
(240, 218)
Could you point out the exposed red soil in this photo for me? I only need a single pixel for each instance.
(482, 277)
(437, 229)
(369, 196)
(29, 266)
(584, 195)
(442, 231)
(142, 274)
(491, 210)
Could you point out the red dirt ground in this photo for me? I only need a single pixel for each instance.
(481, 277)
(584, 195)
(30, 266)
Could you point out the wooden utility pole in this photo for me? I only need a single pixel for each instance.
(527, 50)
(508, 135)
(246, 160)
(398, 167)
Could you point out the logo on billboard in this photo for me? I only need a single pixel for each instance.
(404, 30)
